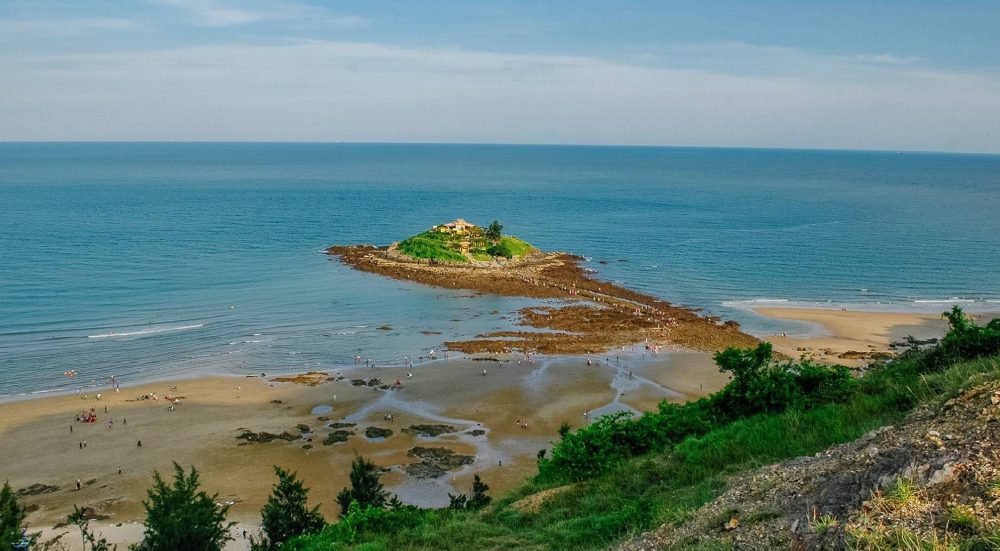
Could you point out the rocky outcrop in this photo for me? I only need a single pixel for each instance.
(428, 430)
(935, 477)
(434, 462)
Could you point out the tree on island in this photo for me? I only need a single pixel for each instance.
(285, 515)
(183, 517)
(366, 487)
(493, 231)
(11, 518)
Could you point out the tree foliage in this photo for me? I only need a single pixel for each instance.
(180, 517)
(286, 515)
(366, 487)
(79, 518)
(494, 231)
(11, 518)
(475, 500)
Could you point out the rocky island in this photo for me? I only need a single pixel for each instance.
(593, 315)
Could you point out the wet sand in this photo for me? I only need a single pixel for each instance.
(38, 447)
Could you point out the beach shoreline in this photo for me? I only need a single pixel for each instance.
(500, 420)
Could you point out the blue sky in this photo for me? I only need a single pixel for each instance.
(907, 75)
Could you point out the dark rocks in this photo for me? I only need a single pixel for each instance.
(374, 381)
(378, 432)
(384, 328)
(337, 436)
(36, 489)
(341, 425)
(428, 430)
(264, 437)
(435, 461)
(477, 432)
(303, 428)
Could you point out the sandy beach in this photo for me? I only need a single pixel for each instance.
(854, 338)
(483, 413)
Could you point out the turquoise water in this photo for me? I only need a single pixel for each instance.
(159, 260)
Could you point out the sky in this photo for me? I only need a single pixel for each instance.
(872, 74)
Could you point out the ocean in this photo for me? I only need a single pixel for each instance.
(159, 260)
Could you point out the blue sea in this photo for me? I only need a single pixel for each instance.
(156, 260)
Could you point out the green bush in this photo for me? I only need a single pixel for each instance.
(758, 386)
(965, 341)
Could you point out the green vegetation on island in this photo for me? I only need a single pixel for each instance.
(462, 242)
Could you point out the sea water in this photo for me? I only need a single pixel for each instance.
(162, 260)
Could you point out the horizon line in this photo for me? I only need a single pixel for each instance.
(513, 144)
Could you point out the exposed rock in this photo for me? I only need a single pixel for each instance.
(378, 432)
(311, 378)
(336, 436)
(850, 494)
(428, 430)
(435, 461)
(444, 457)
(477, 432)
(36, 489)
(599, 316)
(303, 428)
(264, 437)
(341, 425)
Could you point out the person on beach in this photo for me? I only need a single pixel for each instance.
(79, 485)
(139, 445)
(484, 373)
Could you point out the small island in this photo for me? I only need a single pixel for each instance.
(595, 316)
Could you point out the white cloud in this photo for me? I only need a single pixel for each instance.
(214, 13)
(371, 92)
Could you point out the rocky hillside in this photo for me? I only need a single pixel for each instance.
(932, 482)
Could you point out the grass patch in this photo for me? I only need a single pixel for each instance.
(447, 247)
(431, 245)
